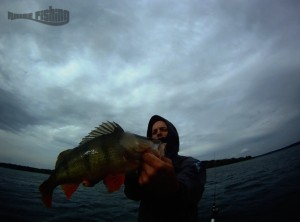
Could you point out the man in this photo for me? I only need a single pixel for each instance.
(169, 188)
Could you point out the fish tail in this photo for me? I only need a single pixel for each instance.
(46, 190)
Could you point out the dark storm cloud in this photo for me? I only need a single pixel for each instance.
(13, 113)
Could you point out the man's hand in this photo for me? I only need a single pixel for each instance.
(158, 174)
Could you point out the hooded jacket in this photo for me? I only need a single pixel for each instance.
(191, 175)
(172, 138)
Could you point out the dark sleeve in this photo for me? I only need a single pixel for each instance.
(192, 178)
(191, 175)
(132, 188)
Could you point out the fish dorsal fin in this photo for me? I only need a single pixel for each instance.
(104, 129)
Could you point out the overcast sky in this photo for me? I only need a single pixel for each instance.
(225, 73)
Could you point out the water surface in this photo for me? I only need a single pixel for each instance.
(266, 188)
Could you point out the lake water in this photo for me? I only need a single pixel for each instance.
(266, 188)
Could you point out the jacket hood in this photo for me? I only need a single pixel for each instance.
(172, 138)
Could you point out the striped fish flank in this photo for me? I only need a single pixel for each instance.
(106, 154)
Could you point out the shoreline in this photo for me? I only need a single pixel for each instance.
(208, 163)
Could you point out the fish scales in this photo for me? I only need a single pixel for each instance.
(93, 158)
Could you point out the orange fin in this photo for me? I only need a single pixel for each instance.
(47, 199)
(114, 182)
(69, 189)
(46, 191)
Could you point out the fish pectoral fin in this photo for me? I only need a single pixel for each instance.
(114, 182)
(89, 183)
(69, 189)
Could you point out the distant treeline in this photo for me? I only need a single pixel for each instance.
(216, 163)
(222, 162)
(25, 168)
(208, 164)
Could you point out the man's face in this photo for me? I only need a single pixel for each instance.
(159, 130)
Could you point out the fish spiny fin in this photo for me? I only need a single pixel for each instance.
(114, 182)
(69, 189)
(103, 129)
